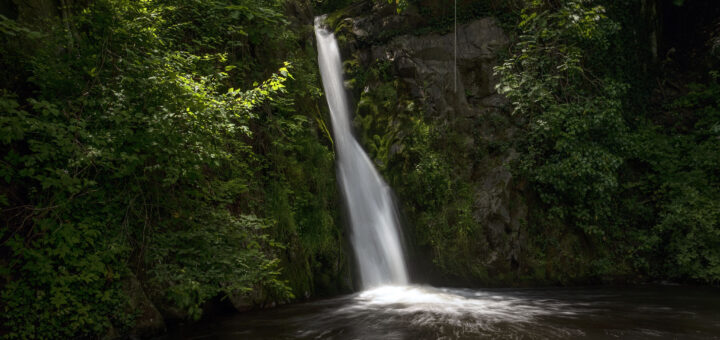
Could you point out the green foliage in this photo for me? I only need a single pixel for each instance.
(128, 147)
(648, 190)
(400, 5)
(683, 162)
(64, 283)
(575, 127)
(213, 254)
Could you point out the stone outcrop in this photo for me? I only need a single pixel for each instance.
(243, 302)
(149, 322)
(467, 101)
(427, 64)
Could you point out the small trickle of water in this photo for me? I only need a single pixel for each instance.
(375, 231)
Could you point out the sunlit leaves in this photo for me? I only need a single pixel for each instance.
(139, 127)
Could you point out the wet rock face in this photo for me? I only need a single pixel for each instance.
(713, 41)
(149, 321)
(500, 207)
(247, 301)
(467, 103)
(428, 65)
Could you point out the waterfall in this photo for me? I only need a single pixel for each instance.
(375, 231)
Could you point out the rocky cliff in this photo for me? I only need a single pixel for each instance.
(443, 136)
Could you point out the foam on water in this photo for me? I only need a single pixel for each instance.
(462, 308)
(422, 312)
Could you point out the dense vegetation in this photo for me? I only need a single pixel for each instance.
(597, 158)
(159, 139)
(184, 145)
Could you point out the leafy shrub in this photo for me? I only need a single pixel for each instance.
(576, 131)
(129, 148)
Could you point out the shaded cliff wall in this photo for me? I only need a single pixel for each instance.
(448, 143)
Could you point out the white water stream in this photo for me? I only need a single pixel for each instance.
(374, 223)
(376, 231)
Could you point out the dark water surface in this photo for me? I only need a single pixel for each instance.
(423, 312)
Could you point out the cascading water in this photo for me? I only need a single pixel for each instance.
(388, 308)
(375, 231)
